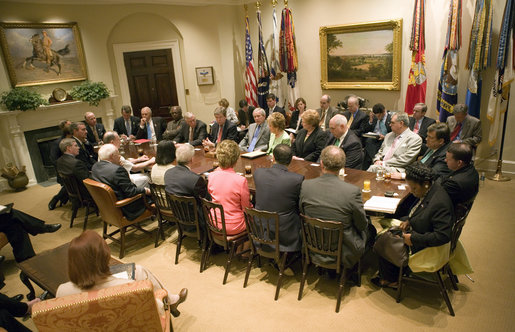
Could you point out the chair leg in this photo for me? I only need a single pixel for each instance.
(249, 266)
(304, 271)
(399, 287)
(208, 253)
(281, 272)
(26, 281)
(340, 290)
(122, 242)
(229, 261)
(159, 232)
(453, 278)
(75, 208)
(444, 293)
(104, 231)
(359, 273)
(178, 249)
(86, 218)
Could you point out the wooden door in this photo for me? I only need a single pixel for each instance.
(151, 81)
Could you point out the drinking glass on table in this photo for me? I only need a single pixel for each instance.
(380, 174)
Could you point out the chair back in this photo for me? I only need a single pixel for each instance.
(323, 237)
(215, 221)
(461, 211)
(105, 199)
(75, 188)
(128, 307)
(263, 230)
(185, 213)
(158, 193)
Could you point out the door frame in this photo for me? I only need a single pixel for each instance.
(173, 45)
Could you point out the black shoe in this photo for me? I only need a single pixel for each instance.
(183, 294)
(53, 203)
(17, 298)
(2, 258)
(52, 228)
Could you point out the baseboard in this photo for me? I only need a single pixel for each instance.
(490, 165)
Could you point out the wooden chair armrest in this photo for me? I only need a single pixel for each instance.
(126, 201)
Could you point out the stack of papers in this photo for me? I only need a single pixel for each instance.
(253, 154)
(382, 204)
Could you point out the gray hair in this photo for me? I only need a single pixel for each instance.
(109, 136)
(403, 117)
(326, 97)
(189, 115)
(184, 154)
(460, 108)
(259, 110)
(106, 151)
(339, 120)
(423, 107)
(65, 143)
(333, 158)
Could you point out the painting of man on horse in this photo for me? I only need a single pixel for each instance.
(41, 51)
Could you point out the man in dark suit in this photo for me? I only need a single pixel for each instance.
(379, 124)
(258, 133)
(355, 116)
(278, 190)
(86, 152)
(194, 132)
(175, 125)
(464, 128)
(55, 153)
(419, 123)
(346, 140)
(151, 128)
(95, 130)
(127, 125)
(326, 112)
(11, 307)
(222, 129)
(109, 171)
(462, 184)
(329, 198)
(271, 102)
(67, 164)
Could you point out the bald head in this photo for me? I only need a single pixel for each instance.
(338, 125)
(325, 102)
(90, 118)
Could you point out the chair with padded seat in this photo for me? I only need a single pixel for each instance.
(163, 210)
(217, 234)
(185, 215)
(111, 213)
(79, 197)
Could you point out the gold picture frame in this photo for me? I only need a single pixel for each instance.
(361, 55)
(42, 53)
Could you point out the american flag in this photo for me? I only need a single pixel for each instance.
(250, 74)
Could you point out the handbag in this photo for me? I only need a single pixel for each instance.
(390, 245)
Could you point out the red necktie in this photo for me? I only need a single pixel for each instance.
(220, 130)
(456, 131)
(417, 127)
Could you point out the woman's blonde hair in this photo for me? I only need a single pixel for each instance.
(227, 153)
(311, 118)
(277, 120)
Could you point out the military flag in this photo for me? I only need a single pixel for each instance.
(250, 75)
(263, 69)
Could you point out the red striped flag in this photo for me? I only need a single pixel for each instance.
(250, 74)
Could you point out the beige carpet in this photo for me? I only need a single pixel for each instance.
(483, 305)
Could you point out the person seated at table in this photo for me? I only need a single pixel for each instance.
(228, 188)
(109, 171)
(276, 124)
(194, 132)
(175, 125)
(311, 139)
(378, 123)
(329, 198)
(278, 190)
(86, 151)
(55, 153)
(296, 116)
(345, 139)
(221, 130)
(230, 113)
(427, 221)
(127, 125)
(88, 269)
(245, 112)
(95, 130)
(165, 155)
(11, 307)
(258, 133)
(134, 166)
(68, 165)
(151, 128)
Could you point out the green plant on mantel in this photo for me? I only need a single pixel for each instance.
(22, 99)
(91, 92)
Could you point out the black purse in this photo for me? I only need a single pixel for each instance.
(390, 245)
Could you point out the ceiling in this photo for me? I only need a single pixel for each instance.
(124, 2)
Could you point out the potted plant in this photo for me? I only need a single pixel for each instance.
(91, 92)
(22, 99)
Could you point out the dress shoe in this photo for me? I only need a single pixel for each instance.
(2, 258)
(53, 203)
(17, 297)
(52, 228)
(183, 294)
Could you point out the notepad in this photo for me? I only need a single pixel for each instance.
(382, 204)
(253, 154)
(371, 135)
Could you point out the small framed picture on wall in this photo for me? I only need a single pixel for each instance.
(205, 76)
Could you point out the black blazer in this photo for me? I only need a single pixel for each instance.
(294, 119)
(352, 147)
(119, 126)
(437, 161)
(462, 185)
(310, 149)
(276, 109)
(159, 129)
(15, 308)
(357, 123)
(229, 132)
(199, 133)
(118, 179)
(86, 153)
(100, 130)
(69, 165)
(278, 190)
(422, 131)
(369, 127)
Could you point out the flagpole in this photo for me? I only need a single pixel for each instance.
(498, 173)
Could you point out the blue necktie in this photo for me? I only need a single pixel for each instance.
(128, 127)
(382, 127)
(149, 131)
(254, 139)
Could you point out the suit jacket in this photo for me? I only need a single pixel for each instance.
(331, 111)
(229, 131)
(86, 153)
(462, 185)
(357, 123)
(159, 129)
(351, 145)
(278, 190)
(67, 164)
(276, 109)
(15, 308)
(406, 150)
(470, 129)
(199, 133)
(173, 128)
(311, 148)
(119, 126)
(422, 131)
(262, 139)
(118, 179)
(437, 161)
(294, 119)
(370, 127)
(100, 131)
(329, 198)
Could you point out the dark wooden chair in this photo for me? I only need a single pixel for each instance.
(79, 197)
(185, 215)
(111, 213)
(322, 237)
(461, 212)
(163, 211)
(214, 216)
(263, 230)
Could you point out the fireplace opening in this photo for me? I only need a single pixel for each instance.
(39, 143)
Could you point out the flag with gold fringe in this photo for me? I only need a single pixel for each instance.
(250, 74)
(288, 55)
(447, 95)
(417, 82)
(275, 66)
(500, 95)
(263, 73)
(479, 53)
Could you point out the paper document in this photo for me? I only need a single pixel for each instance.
(371, 135)
(382, 204)
(253, 154)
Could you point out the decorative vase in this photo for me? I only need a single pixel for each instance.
(18, 182)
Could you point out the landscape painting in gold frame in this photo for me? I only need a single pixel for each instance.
(362, 55)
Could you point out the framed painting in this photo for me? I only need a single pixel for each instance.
(361, 56)
(205, 76)
(42, 53)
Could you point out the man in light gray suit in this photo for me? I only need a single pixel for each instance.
(258, 133)
(326, 111)
(329, 198)
(464, 128)
(400, 147)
